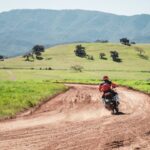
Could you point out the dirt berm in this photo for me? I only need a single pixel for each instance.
(77, 120)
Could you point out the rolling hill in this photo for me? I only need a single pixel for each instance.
(61, 58)
(21, 29)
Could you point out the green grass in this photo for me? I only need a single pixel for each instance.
(64, 75)
(18, 96)
(140, 85)
(62, 57)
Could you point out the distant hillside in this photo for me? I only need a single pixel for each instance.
(61, 58)
(21, 29)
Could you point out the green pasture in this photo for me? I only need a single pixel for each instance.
(18, 96)
(70, 75)
(63, 57)
(140, 85)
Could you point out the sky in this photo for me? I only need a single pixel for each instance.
(120, 7)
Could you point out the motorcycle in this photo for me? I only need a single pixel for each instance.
(111, 102)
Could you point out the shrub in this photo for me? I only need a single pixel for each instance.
(1, 58)
(101, 41)
(48, 58)
(102, 55)
(80, 51)
(90, 57)
(141, 53)
(140, 50)
(38, 50)
(115, 56)
(28, 56)
(125, 41)
(77, 68)
(133, 42)
(49, 68)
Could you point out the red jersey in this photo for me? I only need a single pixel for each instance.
(106, 86)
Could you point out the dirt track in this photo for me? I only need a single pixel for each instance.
(77, 120)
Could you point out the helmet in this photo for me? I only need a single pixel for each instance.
(105, 78)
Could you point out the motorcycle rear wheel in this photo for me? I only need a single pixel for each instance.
(115, 111)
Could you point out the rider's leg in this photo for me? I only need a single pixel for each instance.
(117, 98)
(103, 99)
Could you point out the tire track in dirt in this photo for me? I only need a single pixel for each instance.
(77, 119)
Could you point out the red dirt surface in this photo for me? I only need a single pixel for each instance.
(77, 120)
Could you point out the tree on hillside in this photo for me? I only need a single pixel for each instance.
(101, 41)
(133, 42)
(102, 56)
(89, 57)
(28, 56)
(37, 50)
(80, 51)
(125, 41)
(77, 68)
(141, 53)
(115, 56)
(140, 50)
(1, 58)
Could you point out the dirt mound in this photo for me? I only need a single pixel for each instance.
(77, 119)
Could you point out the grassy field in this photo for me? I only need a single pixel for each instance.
(18, 96)
(23, 84)
(64, 75)
(62, 57)
(140, 85)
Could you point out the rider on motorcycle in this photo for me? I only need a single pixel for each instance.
(107, 86)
